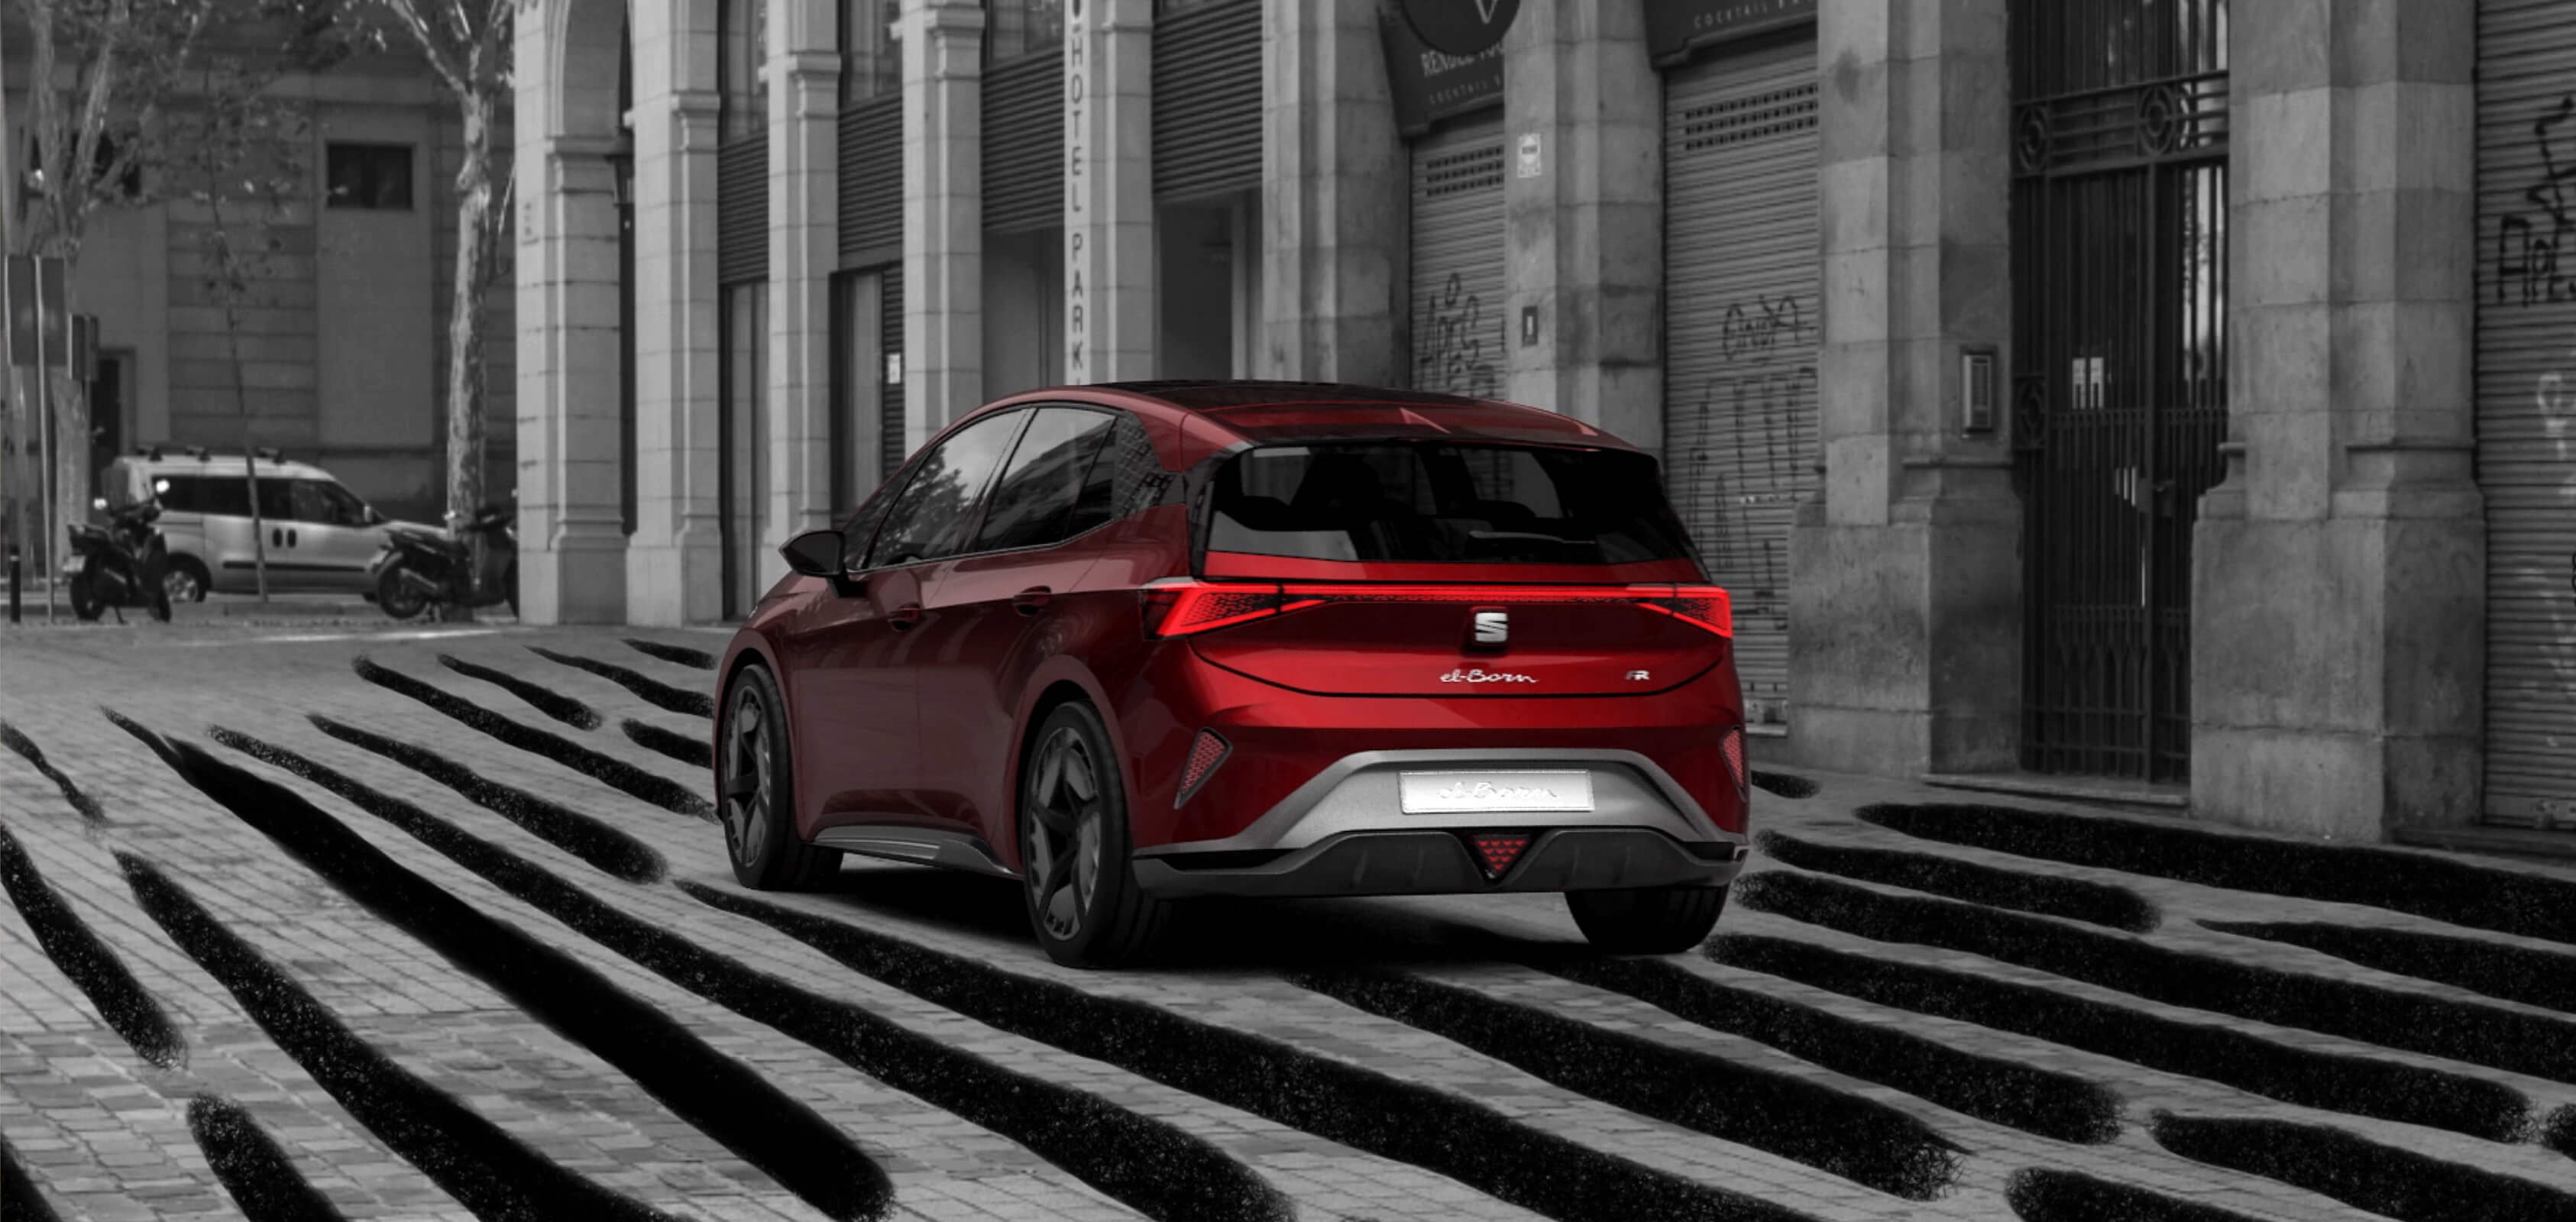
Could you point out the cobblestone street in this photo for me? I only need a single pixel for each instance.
(541, 988)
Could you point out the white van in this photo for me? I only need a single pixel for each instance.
(321, 537)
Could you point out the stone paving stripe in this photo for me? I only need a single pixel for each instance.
(129, 1008)
(252, 1167)
(545, 700)
(607, 848)
(2075, 899)
(2480, 897)
(2514, 973)
(1152, 1165)
(722, 1097)
(2329, 1081)
(1332, 1099)
(2472, 1032)
(2048, 1195)
(661, 791)
(19, 1199)
(1784, 784)
(1804, 1121)
(680, 654)
(2366, 1175)
(695, 752)
(651, 691)
(2560, 1133)
(2025, 1097)
(25, 746)
(483, 1167)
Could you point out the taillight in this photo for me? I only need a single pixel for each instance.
(1731, 744)
(1704, 606)
(1181, 606)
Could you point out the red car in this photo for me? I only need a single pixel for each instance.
(1138, 642)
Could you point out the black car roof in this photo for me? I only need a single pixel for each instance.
(1213, 395)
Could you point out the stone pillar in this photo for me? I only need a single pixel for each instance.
(1586, 232)
(572, 540)
(943, 213)
(1905, 578)
(675, 567)
(1332, 198)
(2338, 574)
(1110, 319)
(804, 248)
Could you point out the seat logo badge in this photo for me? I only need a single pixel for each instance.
(1638, 676)
(1493, 626)
(1481, 675)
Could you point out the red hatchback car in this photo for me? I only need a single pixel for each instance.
(1138, 642)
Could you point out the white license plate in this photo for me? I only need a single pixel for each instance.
(1489, 790)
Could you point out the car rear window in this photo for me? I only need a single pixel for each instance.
(1436, 502)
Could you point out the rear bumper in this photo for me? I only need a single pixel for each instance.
(1437, 862)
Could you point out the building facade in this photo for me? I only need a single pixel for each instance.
(2158, 390)
(339, 348)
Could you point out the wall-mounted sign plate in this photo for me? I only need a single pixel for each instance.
(1461, 27)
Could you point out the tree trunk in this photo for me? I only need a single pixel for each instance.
(465, 406)
(71, 458)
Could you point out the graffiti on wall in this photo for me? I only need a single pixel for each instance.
(1742, 459)
(2553, 580)
(1449, 345)
(2536, 250)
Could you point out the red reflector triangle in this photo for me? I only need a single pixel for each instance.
(1495, 852)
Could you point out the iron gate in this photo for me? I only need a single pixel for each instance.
(2119, 205)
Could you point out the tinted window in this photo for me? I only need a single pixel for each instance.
(1033, 503)
(1444, 502)
(934, 513)
(276, 501)
(1128, 477)
(207, 494)
(325, 503)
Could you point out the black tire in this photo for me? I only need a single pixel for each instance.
(397, 597)
(186, 579)
(758, 812)
(85, 600)
(160, 603)
(1647, 920)
(1078, 879)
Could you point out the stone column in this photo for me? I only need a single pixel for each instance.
(1332, 198)
(1110, 319)
(2338, 574)
(674, 573)
(1905, 579)
(572, 540)
(804, 247)
(1586, 231)
(943, 213)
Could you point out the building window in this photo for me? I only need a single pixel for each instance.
(128, 187)
(871, 49)
(742, 46)
(1013, 28)
(374, 176)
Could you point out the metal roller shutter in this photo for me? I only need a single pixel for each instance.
(871, 181)
(1024, 152)
(1458, 259)
(1740, 330)
(1207, 100)
(742, 210)
(892, 445)
(2526, 392)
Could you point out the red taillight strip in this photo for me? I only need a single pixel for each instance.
(1731, 745)
(1185, 606)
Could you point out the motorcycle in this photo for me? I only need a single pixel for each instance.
(120, 564)
(419, 568)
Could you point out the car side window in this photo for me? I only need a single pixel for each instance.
(1033, 502)
(276, 499)
(340, 507)
(309, 502)
(936, 509)
(861, 529)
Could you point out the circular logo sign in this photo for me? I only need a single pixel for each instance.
(1460, 27)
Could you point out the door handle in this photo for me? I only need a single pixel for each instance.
(276, 537)
(1032, 600)
(904, 617)
(290, 536)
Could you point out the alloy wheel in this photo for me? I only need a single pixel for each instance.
(181, 584)
(1064, 833)
(748, 774)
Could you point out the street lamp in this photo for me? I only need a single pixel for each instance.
(621, 176)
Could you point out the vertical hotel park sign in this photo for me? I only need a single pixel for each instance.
(1077, 184)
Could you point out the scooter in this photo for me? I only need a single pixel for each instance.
(119, 565)
(419, 567)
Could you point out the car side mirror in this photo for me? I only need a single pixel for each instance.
(817, 553)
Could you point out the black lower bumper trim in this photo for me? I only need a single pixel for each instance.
(1437, 862)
